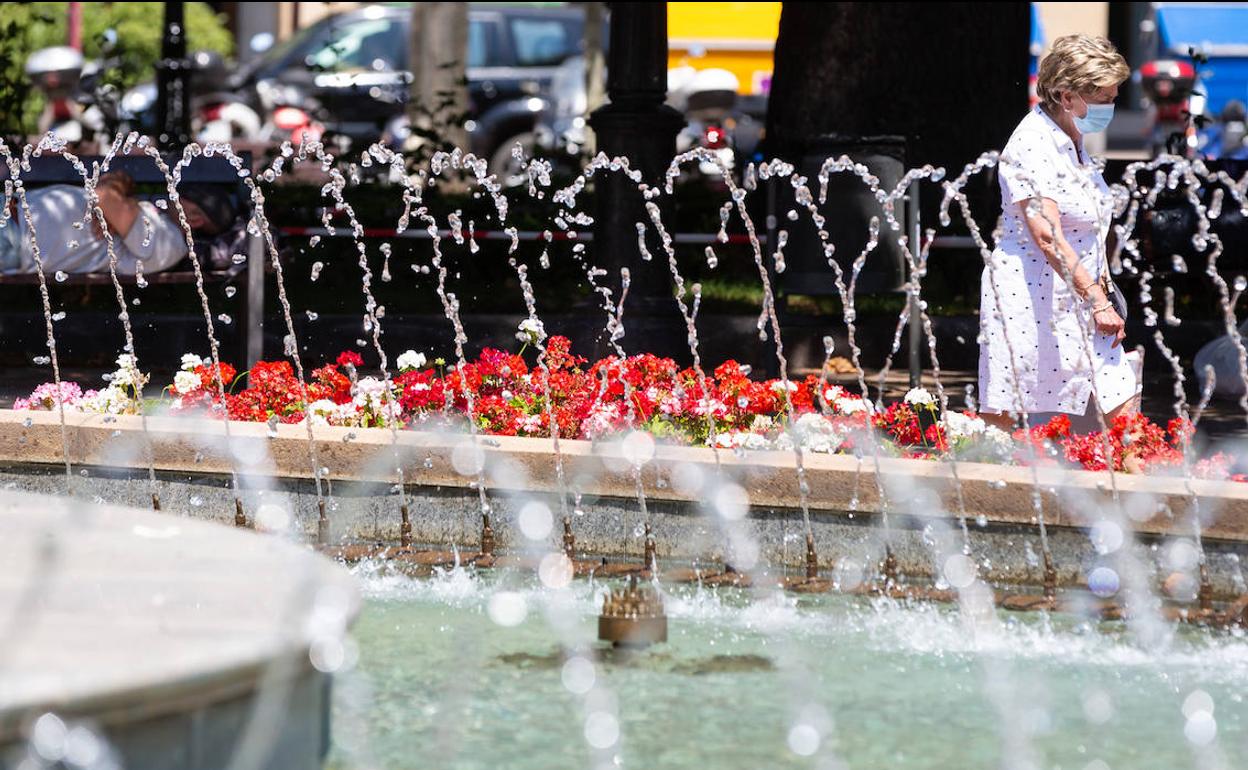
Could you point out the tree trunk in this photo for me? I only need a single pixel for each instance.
(595, 67)
(952, 77)
(438, 54)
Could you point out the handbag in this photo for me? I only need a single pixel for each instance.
(1114, 294)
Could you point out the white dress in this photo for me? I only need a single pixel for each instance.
(1039, 349)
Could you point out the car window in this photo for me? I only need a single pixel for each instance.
(365, 45)
(542, 41)
(482, 43)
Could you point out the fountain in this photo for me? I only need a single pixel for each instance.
(750, 534)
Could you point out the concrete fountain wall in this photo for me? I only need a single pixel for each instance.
(178, 642)
(109, 460)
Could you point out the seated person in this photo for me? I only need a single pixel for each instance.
(144, 237)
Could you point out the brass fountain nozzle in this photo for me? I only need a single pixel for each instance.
(322, 524)
(487, 536)
(569, 540)
(632, 616)
(405, 527)
(812, 558)
(651, 557)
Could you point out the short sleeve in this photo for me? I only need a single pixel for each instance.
(1028, 168)
(155, 239)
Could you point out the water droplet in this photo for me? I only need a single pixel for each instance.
(42, 360)
(1241, 283)
(225, 319)
(59, 316)
(27, 422)
(196, 501)
(162, 204)
(238, 259)
(317, 267)
(314, 240)
(312, 315)
(61, 276)
(230, 291)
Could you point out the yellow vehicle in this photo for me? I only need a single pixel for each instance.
(737, 37)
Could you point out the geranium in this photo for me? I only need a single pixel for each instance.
(349, 358)
(410, 360)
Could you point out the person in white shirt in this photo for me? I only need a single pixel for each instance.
(145, 238)
(1051, 334)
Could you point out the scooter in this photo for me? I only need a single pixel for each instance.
(78, 106)
(217, 113)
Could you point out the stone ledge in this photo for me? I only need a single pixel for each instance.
(1001, 494)
(137, 616)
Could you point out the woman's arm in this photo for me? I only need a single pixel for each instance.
(1046, 230)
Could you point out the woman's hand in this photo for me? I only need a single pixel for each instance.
(1109, 323)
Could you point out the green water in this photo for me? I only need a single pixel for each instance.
(440, 684)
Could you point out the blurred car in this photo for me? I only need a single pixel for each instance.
(350, 69)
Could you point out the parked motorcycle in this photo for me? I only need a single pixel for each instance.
(1226, 137)
(217, 113)
(1171, 88)
(78, 105)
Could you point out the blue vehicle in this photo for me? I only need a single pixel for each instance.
(1199, 66)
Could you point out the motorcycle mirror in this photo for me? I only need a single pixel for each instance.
(261, 42)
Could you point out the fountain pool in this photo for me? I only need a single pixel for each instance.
(894, 686)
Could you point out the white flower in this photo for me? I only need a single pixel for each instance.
(530, 423)
(531, 331)
(960, 426)
(850, 405)
(184, 382)
(1000, 440)
(190, 361)
(411, 360)
(320, 411)
(110, 400)
(833, 394)
(919, 397)
(780, 385)
(741, 439)
(761, 423)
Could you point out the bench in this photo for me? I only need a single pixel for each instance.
(56, 169)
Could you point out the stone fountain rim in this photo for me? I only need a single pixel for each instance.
(154, 686)
(1000, 493)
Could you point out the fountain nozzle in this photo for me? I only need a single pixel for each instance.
(322, 524)
(1050, 577)
(632, 616)
(240, 518)
(812, 558)
(487, 536)
(405, 528)
(569, 540)
(651, 558)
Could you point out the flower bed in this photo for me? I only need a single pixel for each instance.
(504, 395)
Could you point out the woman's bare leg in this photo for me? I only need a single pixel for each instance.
(1130, 406)
(999, 420)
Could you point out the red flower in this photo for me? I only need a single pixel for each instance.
(350, 357)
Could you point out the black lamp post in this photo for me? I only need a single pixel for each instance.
(637, 124)
(173, 113)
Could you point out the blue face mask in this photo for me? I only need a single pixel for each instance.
(1097, 119)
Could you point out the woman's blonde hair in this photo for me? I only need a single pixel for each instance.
(1079, 63)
